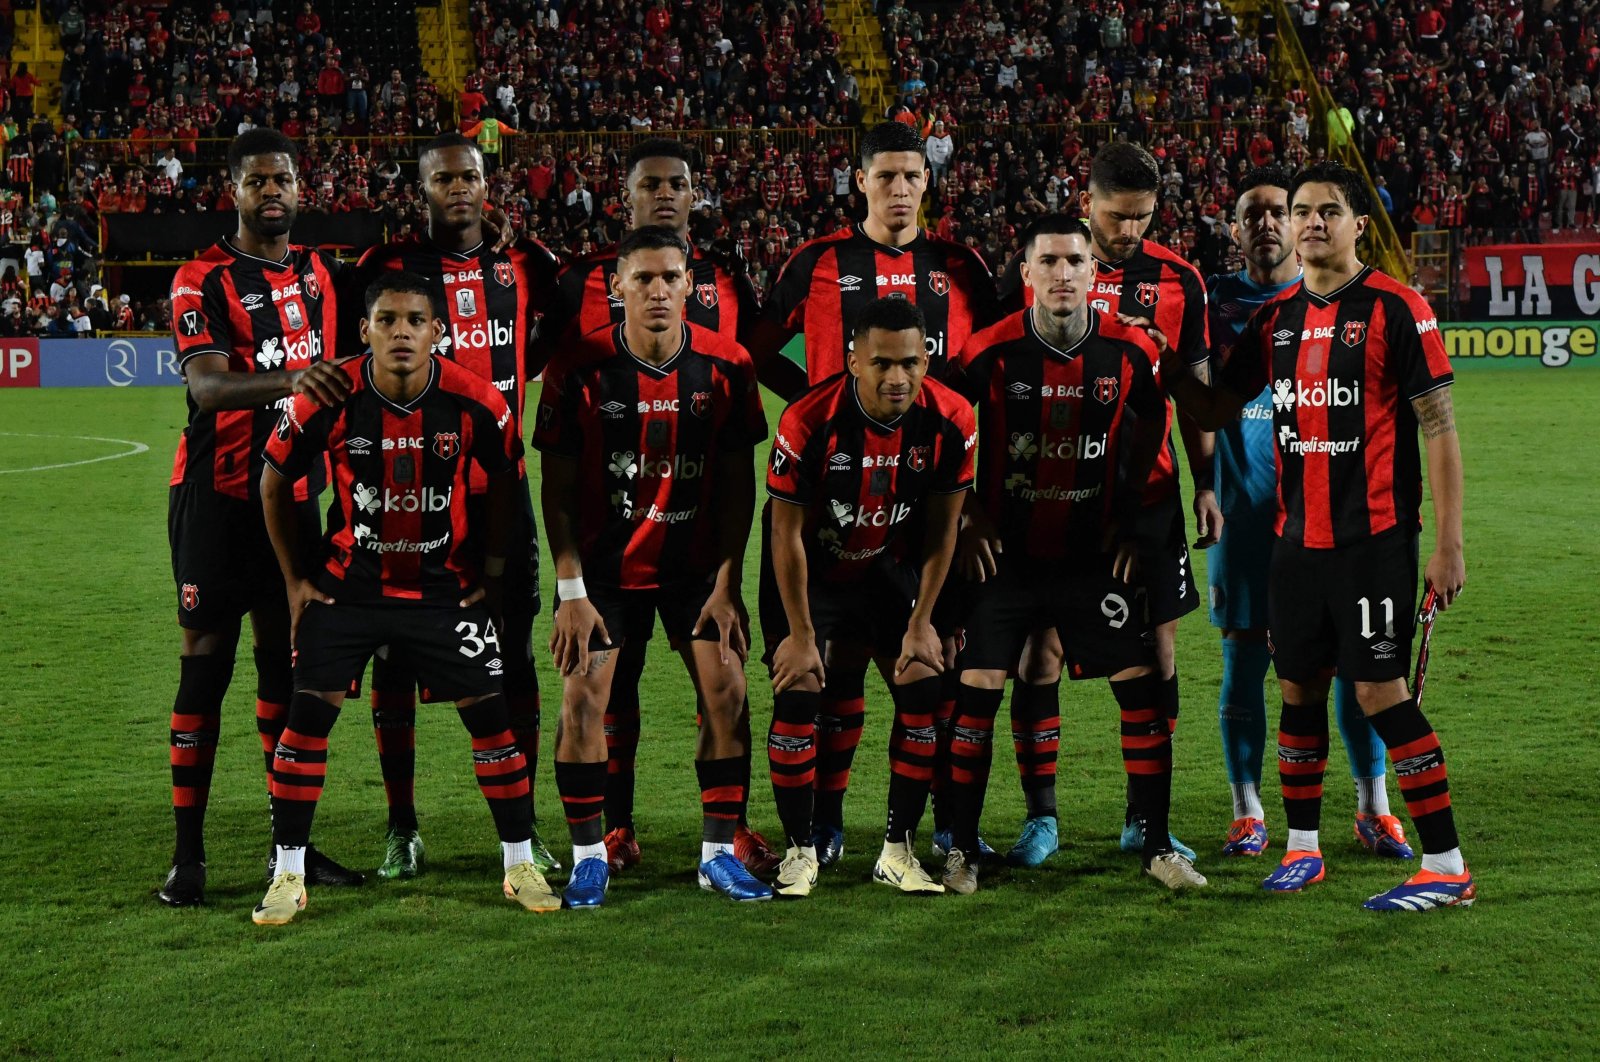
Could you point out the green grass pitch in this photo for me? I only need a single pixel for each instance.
(1084, 956)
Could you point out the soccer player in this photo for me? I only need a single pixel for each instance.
(648, 432)
(1247, 480)
(493, 300)
(819, 292)
(1049, 541)
(395, 569)
(1356, 365)
(254, 318)
(659, 188)
(858, 461)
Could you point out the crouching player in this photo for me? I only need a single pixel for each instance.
(858, 458)
(397, 571)
(1048, 545)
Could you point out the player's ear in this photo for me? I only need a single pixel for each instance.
(861, 181)
(438, 330)
(616, 282)
(364, 340)
(1361, 225)
(1083, 202)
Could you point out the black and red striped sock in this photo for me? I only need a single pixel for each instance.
(911, 751)
(523, 711)
(622, 735)
(300, 768)
(1146, 757)
(949, 686)
(583, 793)
(839, 720)
(274, 688)
(721, 797)
(792, 760)
(1036, 738)
(500, 767)
(394, 726)
(1302, 762)
(1419, 768)
(1166, 694)
(192, 747)
(971, 754)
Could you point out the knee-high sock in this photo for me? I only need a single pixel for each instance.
(583, 793)
(300, 768)
(1147, 757)
(1165, 692)
(1036, 738)
(394, 726)
(721, 797)
(1419, 769)
(971, 754)
(523, 712)
(622, 735)
(192, 747)
(501, 767)
(792, 760)
(949, 685)
(1302, 762)
(911, 752)
(274, 688)
(839, 721)
(1361, 742)
(1242, 709)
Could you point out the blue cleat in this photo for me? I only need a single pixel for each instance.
(1246, 837)
(1425, 891)
(1133, 841)
(944, 839)
(587, 886)
(829, 843)
(1383, 836)
(1039, 841)
(1297, 870)
(725, 874)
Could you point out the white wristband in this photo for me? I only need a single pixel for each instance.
(494, 567)
(571, 589)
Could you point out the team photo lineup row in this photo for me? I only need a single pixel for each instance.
(974, 480)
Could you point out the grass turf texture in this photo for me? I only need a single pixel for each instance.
(1084, 954)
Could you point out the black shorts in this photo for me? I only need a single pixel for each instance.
(630, 615)
(871, 612)
(1164, 569)
(222, 560)
(1352, 608)
(1102, 621)
(455, 652)
(522, 556)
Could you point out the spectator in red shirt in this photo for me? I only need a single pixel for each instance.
(331, 85)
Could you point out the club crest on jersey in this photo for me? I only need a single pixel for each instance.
(503, 273)
(446, 444)
(312, 287)
(917, 458)
(1146, 294)
(190, 597)
(939, 282)
(700, 404)
(1353, 332)
(1105, 389)
(707, 294)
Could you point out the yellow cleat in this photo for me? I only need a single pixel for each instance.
(285, 898)
(526, 886)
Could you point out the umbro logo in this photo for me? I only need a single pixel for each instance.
(1383, 647)
(613, 408)
(1020, 389)
(847, 280)
(495, 663)
(359, 445)
(1283, 336)
(252, 300)
(839, 462)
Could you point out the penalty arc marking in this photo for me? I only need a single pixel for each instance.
(134, 448)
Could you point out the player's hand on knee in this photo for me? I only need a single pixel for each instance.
(1125, 565)
(577, 621)
(1447, 573)
(301, 593)
(794, 659)
(920, 645)
(1207, 519)
(726, 610)
(323, 381)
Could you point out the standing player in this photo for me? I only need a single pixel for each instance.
(493, 301)
(1247, 480)
(1355, 364)
(1049, 540)
(821, 290)
(648, 432)
(659, 189)
(395, 569)
(859, 461)
(254, 320)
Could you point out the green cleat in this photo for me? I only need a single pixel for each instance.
(403, 855)
(543, 859)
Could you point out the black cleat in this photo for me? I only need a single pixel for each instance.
(320, 870)
(185, 886)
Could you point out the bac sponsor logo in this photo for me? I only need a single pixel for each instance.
(446, 444)
(464, 276)
(1289, 442)
(658, 405)
(1317, 333)
(939, 282)
(897, 280)
(1061, 391)
(403, 442)
(306, 286)
(1332, 393)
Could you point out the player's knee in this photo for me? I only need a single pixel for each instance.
(209, 643)
(1375, 697)
(985, 679)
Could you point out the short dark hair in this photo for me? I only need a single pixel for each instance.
(1055, 225)
(1272, 175)
(259, 141)
(890, 136)
(652, 238)
(1350, 184)
(446, 141)
(892, 313)
(399, 282)
(659, 147)
(1124, 167)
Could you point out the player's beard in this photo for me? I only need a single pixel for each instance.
(1269, 264)
(270, 227)
(1107, 244)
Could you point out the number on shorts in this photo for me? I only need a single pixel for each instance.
(471, 645)
(1366, 618)
(1115, 610)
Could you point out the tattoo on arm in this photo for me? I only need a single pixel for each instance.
(1436, 413)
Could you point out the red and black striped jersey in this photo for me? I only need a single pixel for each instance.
(1343, 371)
(262, 317)
(494, 304)
(722, 297)
(1051, 421)
(864, 483)
(828, 281)
(397, 525)
(650, 443)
